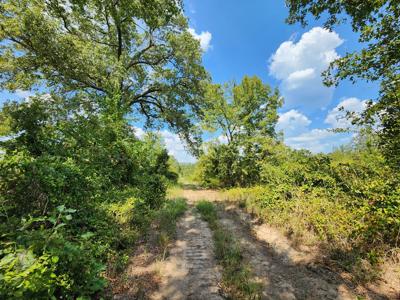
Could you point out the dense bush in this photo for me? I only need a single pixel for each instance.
(229, 165)
(77, 188)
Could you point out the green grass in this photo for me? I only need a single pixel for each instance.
(237, 277)
(165, 222)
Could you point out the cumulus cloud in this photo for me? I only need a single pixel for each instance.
(337, 116)
(299, 67)
(292, 122)
(299, 134)
(204, 38)
(318, 140)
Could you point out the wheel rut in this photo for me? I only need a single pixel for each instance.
(190, 272)
(283, 275)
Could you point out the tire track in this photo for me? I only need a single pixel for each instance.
(190, 272)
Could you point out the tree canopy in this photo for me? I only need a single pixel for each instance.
(243, 109)
(138, 53)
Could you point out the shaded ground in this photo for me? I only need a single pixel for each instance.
(285, 272)
(190, 271)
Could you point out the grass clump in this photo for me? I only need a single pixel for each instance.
(164, 224)
(236, 274)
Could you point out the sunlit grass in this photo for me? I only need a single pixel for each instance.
(237, 277)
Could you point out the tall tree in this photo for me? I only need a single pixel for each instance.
(138, 53)
(378, 23)
(245, 109)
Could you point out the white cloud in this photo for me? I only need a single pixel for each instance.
(176, 147)
(337, 116)
(222, 139)
(299, 65)
(204, 38)
(139, 132)
(23, 94)
(298, 135)
(292, 123)
(318, 140)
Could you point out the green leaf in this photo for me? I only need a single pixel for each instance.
(87, 235)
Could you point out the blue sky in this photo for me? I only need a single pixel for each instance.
(251, 38)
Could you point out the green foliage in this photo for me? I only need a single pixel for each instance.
(67, 153)
(235, 164)
(137, 56)
(242, 110)
(77, 188)
(39, 261)
(348, 200)
(245, 114)
(4, 124)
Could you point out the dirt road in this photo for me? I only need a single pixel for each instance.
(191, 271)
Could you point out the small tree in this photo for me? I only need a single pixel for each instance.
(246, 115)
(242, 110)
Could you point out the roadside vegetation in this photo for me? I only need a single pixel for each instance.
(348, 200)
(236, 274)
(79, 188)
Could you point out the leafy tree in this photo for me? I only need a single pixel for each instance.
(242, 110)
(4, 124)
(137, 53)
(63, 165)
(246, 115)
(378, 23)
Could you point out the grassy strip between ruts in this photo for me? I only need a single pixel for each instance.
(237, 281)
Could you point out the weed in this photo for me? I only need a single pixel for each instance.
(165, 222)
(237, 277)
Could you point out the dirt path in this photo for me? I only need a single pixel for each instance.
(190, 272)
(280, 276)
(285, 272)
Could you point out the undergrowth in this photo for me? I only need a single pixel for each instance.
(164, 222)
(313, 218)
(237, 277)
